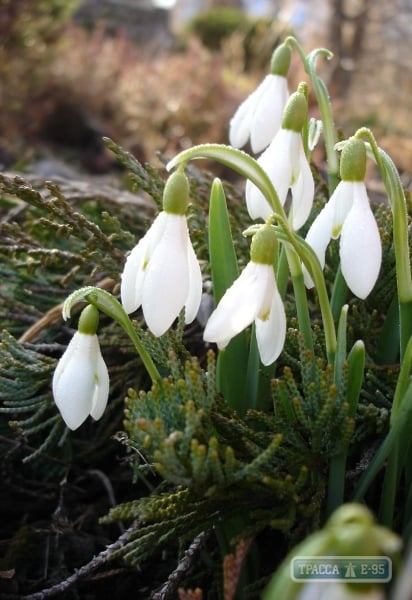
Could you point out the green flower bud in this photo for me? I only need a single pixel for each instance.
(89, 320)
(296, 112)
(353, 160)
(280, 61)
(176, 194)
(263, 247)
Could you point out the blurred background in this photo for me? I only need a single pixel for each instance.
(161, 75)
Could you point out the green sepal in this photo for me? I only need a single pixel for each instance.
(231, 366)
(295, 115)
(176, 194)
(280, 61)
(353, 160)
(89, 320)
(264, 246)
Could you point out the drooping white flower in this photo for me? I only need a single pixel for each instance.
(259, 116)
(81, 381)
(286, 165)
(162, 273)
(253, 297)
(333, 590)
(350, 532)
(348, 214)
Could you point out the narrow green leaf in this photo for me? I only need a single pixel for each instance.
(223, 259)
(389, 339)
(232, 362)
(397, 432)
(403, 383)
(356, 364)
(340, 356)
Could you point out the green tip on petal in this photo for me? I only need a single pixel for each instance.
(280, 61)
(89, 320)
(353, 160)
(176, 194)
(295, 114)
(264, 246)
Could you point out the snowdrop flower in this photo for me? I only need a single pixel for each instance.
(334, 590)
(162, 273)
(350, 531)
(81, 381)
(260, 115)
(338, 591)
(348, 214)
(253, 297)
(286, 164)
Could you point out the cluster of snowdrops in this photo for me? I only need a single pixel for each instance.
(162, 275)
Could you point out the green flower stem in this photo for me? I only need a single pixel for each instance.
(249, 167)
(395, 445)
(389, 488)
(282, 272)
(253, 372)
(394, 189)
(325, 109)
(106, 303)
(240, 162)
(337, 466)
(299, 289)
(398, 453)
(311, 261)
(339, 294)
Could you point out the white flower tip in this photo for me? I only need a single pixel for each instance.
(309, 283)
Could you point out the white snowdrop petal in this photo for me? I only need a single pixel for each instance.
(101, 389)
(360, 246)
(267, 117)
(167, 279)
(275, 161)
(271, 333)
(134, 270)
(73, 380)
(239, 126)
(342, 202)
(283, 161)
(303, 191)
(278, 161)
(194, 295)
(132, 278)
(318, 238)
(257, 205)
(239, 305)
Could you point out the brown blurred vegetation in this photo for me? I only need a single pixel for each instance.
(64, 86)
